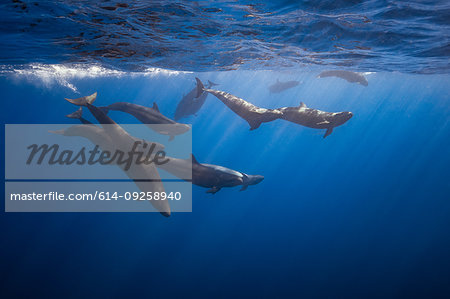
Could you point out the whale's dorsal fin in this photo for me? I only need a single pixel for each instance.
(214, 190)
(155, 106)
(194, 161)
(302, 105)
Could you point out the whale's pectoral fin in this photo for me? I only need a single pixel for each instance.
(165, 214)
(244, 188)
(213, 190)
(254, 124)
(328, 132)
(171, 137)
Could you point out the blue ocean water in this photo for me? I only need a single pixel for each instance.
(362, 213)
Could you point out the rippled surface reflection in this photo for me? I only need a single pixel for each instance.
(405, 36)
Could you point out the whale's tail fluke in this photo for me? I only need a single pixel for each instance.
(211, 84)
(200, 87)
(76, 115)
(79, 115)
(83, 101)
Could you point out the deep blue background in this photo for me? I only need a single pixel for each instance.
(362, 213)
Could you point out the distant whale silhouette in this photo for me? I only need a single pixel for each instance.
(252, 114)
(351, 77)
(279, 86)
(314, 118)
(190, 104)
(113, 136)
(210, 176)
(151, 116)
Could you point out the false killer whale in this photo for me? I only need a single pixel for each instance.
(252, 114)
(190, 104)
(97, 131)
(150, 116)
(314, 118)
(279, 86)
(351, 77)
(113, 136)
(209, 176)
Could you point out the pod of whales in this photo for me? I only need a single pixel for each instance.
(213, 177)
(314, 118)
(280, 86)
(190, 104)
(351, 77)
(301, 115)
(210, 176)
(254, 115)
(112, 136)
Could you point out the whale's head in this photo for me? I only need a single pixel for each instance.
(341, 118)
(178, 129)
(254, 179)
